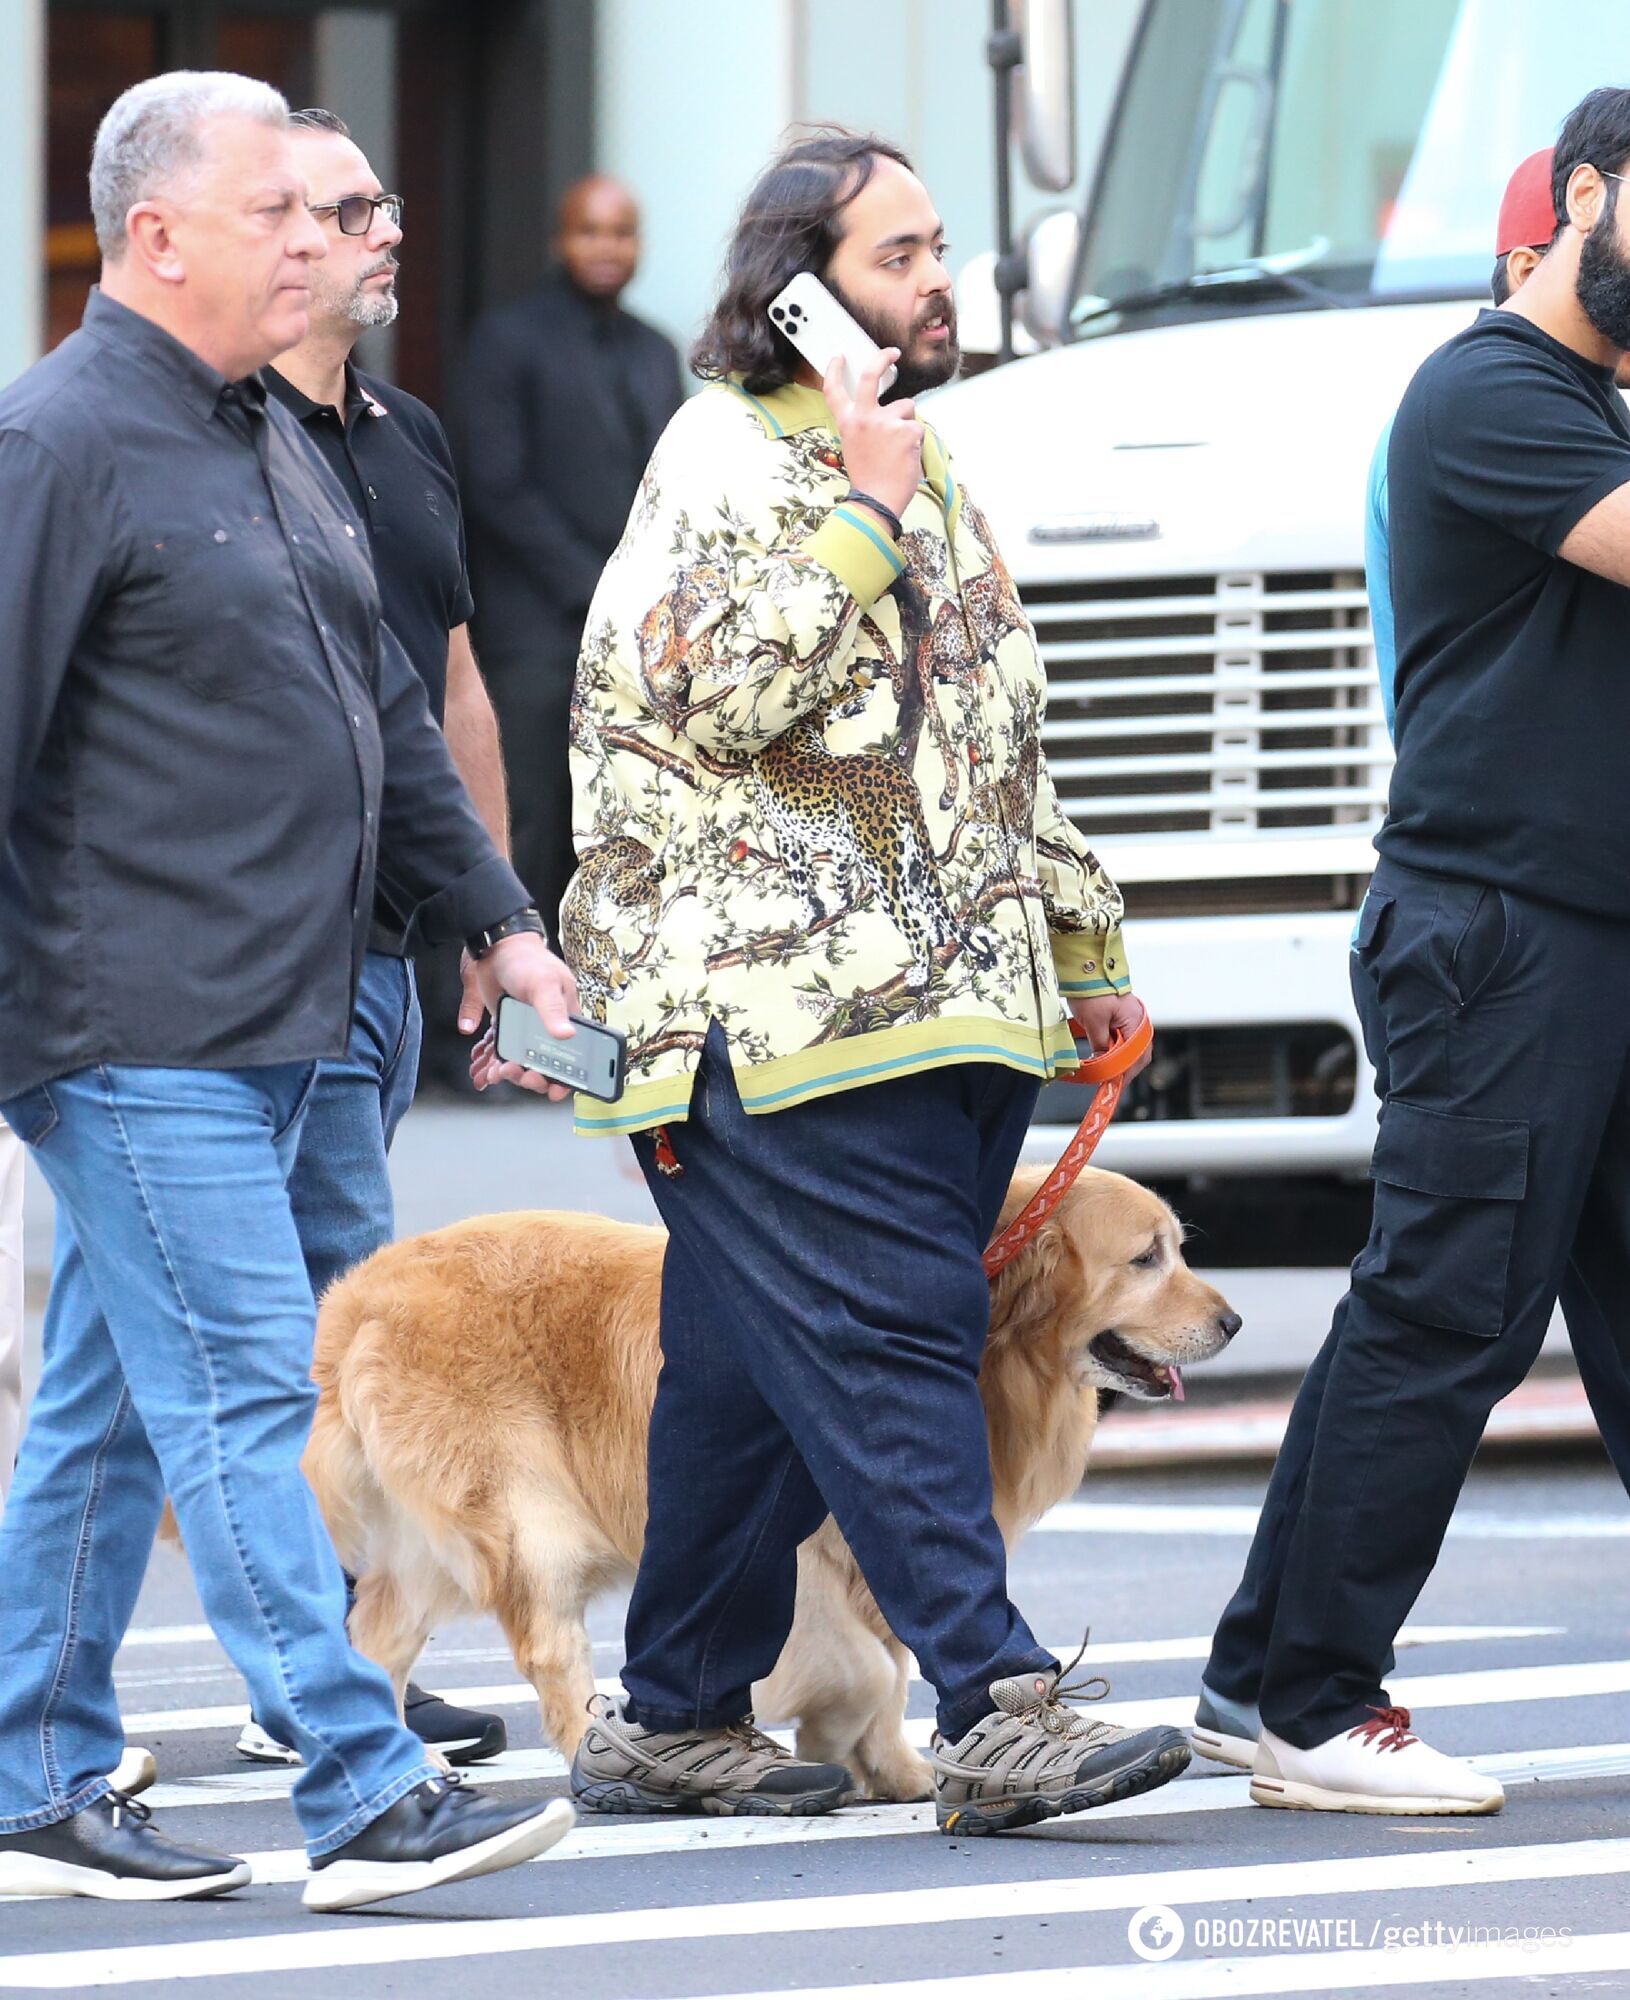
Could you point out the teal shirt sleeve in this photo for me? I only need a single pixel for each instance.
(1378, 578)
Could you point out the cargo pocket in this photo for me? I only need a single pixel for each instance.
(1371, 914)
(1447, 1188)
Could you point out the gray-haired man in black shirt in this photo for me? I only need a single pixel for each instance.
(208, 744)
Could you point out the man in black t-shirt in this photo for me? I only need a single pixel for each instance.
(1491, 969)
(391, 458)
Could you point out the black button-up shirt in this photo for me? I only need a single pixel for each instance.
(207, 736)
(390, 455)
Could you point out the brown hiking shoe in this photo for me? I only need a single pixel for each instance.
(1034, 1758)
(622, 1768)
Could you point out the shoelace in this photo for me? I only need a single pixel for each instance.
(123, 1804)
(1054, 1714)
(748, 1732)
(1389, 1731)
(1051, 1713)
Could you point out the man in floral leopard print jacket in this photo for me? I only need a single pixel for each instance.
(827, 891)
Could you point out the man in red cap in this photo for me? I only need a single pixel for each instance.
(1489, 963)
(1527, 222)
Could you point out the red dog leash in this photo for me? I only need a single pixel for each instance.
(1106, 1073)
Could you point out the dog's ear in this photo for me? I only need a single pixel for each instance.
(1025, 1294)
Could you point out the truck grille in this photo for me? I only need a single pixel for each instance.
(1213, 706)
(1275, 1070)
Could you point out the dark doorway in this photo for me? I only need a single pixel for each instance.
(480, 108)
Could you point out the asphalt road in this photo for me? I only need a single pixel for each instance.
(1524, 1660)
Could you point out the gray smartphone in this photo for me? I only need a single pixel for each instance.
(592, 1061)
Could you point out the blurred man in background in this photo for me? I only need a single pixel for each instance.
(563, 396)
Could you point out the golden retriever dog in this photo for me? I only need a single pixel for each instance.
(485, 1393)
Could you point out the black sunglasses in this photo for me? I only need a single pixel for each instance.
(355, 214)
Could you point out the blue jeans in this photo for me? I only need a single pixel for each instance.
(177, 1358)
(340, 1188)
(824, 1313)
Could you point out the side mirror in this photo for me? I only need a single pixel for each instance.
(1052, 243)
(1044, 91)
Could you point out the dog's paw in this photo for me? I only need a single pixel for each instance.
(440, 1759)
(903, 1779)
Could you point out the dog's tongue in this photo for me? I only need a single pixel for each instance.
(1177, 1384)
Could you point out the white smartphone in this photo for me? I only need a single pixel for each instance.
(822, 330)
(592, 1061)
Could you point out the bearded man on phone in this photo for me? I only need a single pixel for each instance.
(827, 892)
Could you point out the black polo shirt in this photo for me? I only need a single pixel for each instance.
(391, 457)
(1513, 696)
(208, 737)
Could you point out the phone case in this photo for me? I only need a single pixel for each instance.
(821, 329)
(592, 1061)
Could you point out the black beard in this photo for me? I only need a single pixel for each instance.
(912, 378)
(1603, 283)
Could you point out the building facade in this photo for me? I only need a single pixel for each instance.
(480, 112)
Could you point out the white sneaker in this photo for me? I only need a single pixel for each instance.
(263, 1748)
(135, 1772)
(1379, 1767)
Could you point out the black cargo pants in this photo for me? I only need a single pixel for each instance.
(1499, 1030)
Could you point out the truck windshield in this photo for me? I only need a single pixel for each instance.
(1351, 150)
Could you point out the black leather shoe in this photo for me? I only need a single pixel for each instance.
(462, 1735)
(439, 1832)
(110, 1849)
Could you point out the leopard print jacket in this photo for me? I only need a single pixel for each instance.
(810, 798)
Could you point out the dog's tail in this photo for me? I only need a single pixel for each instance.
(373, 1463)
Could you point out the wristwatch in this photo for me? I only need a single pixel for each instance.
(481, 942)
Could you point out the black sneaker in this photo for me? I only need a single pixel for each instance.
(436, 1833)
(462, 1735)
(110, 1849)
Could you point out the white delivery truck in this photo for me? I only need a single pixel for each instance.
(1294, 204)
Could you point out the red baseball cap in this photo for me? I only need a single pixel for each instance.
(1526, 213)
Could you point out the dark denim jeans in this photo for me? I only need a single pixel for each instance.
(340, 1188)
(824, 1313)
(178, 1358)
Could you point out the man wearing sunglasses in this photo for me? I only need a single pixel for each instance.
(390, 455)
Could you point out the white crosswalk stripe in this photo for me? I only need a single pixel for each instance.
(1176, 1519)
(312, 1947)
(131, 1680)
(1341, 1972)
(282, 1943)
(594, 1841)
(1422, 1691)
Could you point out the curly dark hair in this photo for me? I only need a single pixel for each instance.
(788, 223)
(1596, 132)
